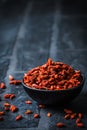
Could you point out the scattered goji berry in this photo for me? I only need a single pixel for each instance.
(67, 116)
(13, 108)
(70, 114)
(80, 115)
(6, 104)
(2, 85)
(60, 124)
(15, 82)
(28, 102)
(36, 115)
(11, 77)
(73, 116)
(12, 96)
(68, 111)
(78, 120)
(19, 117)
(28, 112)
(7, 95)
(2, 113)
(41, 106)
(49, 114)
(80, 124)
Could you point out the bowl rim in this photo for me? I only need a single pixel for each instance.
(62, 90)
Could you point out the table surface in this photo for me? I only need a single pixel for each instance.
(31, 32)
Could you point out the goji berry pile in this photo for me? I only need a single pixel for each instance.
(53, 76)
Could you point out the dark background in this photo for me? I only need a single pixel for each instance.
(31, 31)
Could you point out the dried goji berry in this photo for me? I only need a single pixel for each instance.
(49, 114)
(80, 115)
(19, 117)
(2, 85)
(67, 116)
(41, 106)
(11, 77)
(73, 115)
(36, 115)
(53, 76)
(6, 104)
(12, 96)
(15, 82)
(60, 124)
(13, 108)
(80, 124)
(78, 120)
(28, 102)
(28, 112)
(2, 113)
(68, 111)
(7, 95)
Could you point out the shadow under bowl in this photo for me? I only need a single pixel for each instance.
(57, 97)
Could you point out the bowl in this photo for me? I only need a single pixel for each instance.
(58, 97)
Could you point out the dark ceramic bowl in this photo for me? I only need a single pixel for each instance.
(58, 97)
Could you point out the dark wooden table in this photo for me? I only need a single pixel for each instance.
(31, 31)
